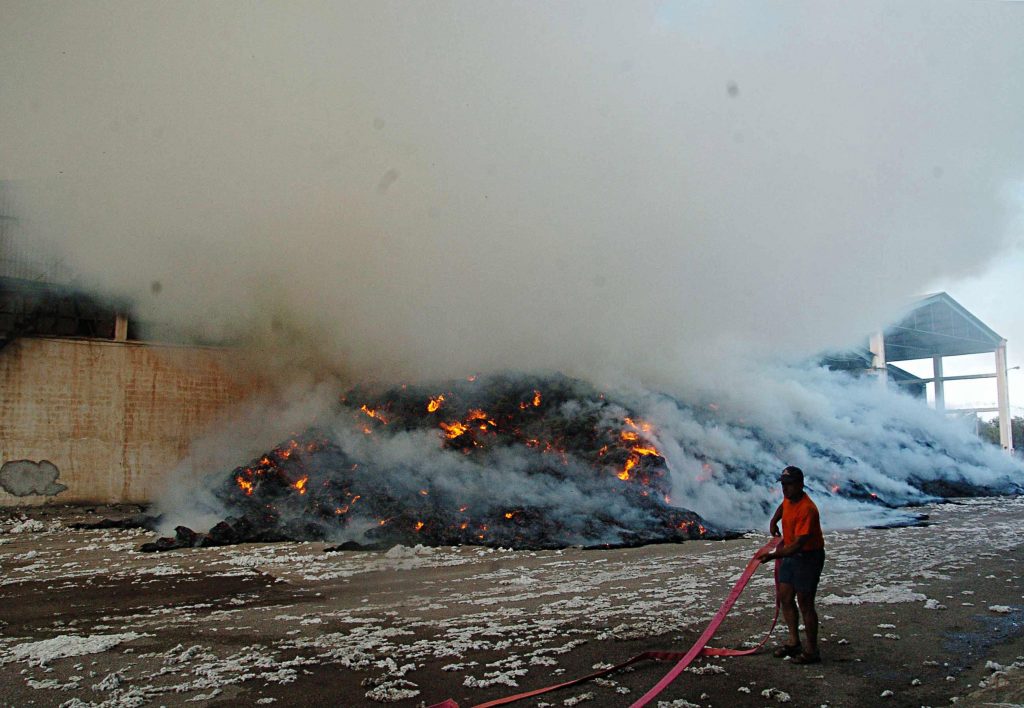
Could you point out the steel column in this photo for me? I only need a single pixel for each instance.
(877, 345)
(1003, 398)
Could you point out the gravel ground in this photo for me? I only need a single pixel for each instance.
(910, 617)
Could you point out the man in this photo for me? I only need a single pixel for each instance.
(802, 552)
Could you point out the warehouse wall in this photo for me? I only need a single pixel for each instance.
(103, 421)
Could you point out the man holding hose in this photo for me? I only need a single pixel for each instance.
(802, 552)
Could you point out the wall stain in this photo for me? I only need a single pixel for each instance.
(24, 478)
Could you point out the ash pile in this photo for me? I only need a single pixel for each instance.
(503, 462)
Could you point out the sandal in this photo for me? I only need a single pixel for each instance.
(784, 650)
(805, 658)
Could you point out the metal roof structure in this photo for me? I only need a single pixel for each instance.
(938, 326)
(935, 326)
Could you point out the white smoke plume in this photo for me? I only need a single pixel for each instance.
(651, 194)
(525, 468)
(425, 190)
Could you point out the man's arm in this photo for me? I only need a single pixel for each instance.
(773, 527)
(785, 550)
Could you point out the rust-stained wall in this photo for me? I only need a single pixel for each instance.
(113, 417)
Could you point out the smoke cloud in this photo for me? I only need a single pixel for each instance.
(656, 196)
(399, 190)
(536, 461)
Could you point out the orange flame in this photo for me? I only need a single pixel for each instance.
(642, 426)
(477, 414)
(435, 403)
(419, 525)
(300, 484)
(509, 514)
(630, 464)
(453, 430)
(373, 413)
(646, 451)
(245, 485)
(630, 436)
(536, 398)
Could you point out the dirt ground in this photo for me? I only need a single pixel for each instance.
(910, 617)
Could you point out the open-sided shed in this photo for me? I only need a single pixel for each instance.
(938, 326)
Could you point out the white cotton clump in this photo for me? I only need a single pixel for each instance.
(933, 604)
(582, 698)
(400, 551)
(27, 526)
(65, 645)
(705, 669)
(393, 691)
(887, 694)
(875, 595)
(109, 682)
(1001, 609)
(52, 684)
(507, 678)
(200, 697)
(777, 694)
(159, 570)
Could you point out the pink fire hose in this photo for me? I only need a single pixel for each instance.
(683, 659)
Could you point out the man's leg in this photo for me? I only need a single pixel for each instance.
(787, 602)
(810, 617)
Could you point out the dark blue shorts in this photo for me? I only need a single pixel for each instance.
(802, 570)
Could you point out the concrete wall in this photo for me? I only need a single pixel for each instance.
(110, 418)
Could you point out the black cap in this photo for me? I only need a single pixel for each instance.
(792, 474)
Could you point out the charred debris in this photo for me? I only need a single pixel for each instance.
(502, 462)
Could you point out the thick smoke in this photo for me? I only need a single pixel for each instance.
(865, 449)
(532, 461)
(414, 191)
(645, 194)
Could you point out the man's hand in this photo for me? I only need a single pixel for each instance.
(774, 530)
(764, 556)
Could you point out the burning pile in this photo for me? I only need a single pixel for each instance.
(502, 462)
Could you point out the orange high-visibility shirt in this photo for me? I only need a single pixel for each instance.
(800, 518)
